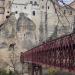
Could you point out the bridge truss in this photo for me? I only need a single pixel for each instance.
(59, 52)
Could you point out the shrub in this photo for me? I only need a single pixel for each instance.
(4, 72)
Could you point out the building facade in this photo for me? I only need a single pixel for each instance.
(27, 23)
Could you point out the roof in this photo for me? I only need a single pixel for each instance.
(73, 5)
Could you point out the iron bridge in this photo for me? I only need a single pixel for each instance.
(59, 52)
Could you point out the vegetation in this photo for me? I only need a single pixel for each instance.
(4, 72)
(52, 71)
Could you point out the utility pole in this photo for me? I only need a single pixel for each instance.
(41, 30)
(46, 23)
(74, 25)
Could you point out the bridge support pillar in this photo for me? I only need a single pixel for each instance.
(35, 70)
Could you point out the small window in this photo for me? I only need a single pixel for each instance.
(35, 3)
(31, 2)
(7, 16)
(24, 7)
(7, 11)
(34, 13)
(24, 35)
(48, 7)
(70, 12)
(64, 12)
(16, 12)
(42, 7)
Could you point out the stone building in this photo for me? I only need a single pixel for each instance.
(5, 6)
(42, 12)
(1, 11)
(36, 10)
(25, 28)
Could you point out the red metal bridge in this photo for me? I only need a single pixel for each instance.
(59, 52)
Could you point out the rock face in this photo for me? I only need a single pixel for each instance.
(21, 30)
(17, 34)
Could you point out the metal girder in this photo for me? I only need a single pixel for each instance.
(59, 52)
